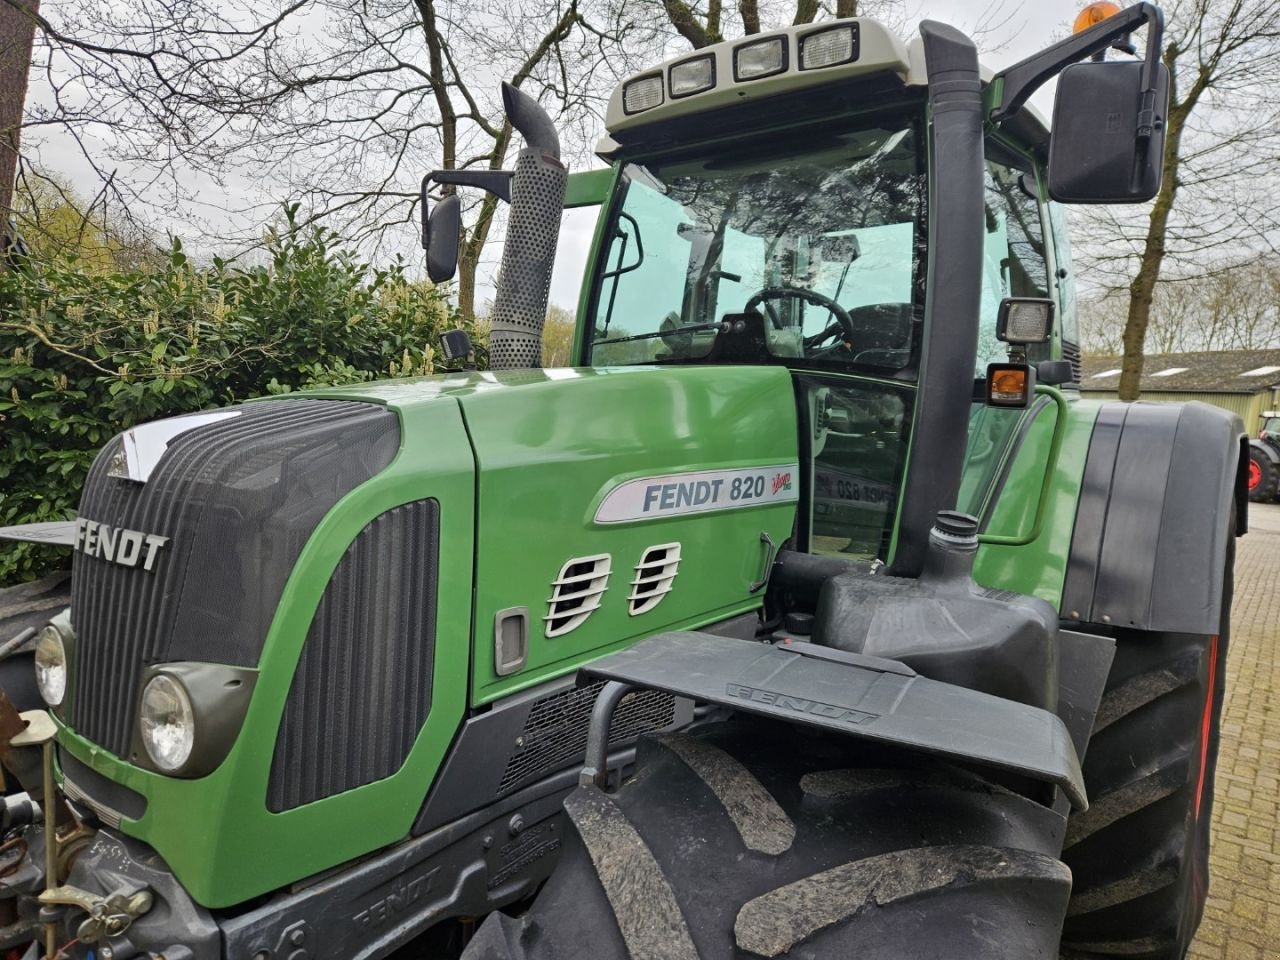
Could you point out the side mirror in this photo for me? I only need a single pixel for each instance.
(1105, 147)
(440, 231)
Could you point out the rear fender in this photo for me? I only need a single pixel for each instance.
(1150, 541)
(1266, 449)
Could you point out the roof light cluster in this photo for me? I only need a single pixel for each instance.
(753, 59)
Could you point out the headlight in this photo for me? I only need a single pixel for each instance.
(830, 47)
(693, 76)
(1024, 320)
(760, 58)
(642, 94)
(168, 723)
(51, 666)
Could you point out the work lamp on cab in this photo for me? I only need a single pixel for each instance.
(692, 76)
(643, 94)
(761, 58)
(1024, 320)
(830, 47)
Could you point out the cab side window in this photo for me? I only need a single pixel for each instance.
(1013, 262)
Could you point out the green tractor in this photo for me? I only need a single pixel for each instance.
(811, 614)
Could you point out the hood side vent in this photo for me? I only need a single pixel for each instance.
(576, 593)
(655, 575)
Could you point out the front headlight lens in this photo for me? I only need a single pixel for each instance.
(51, 666)
(168, 723)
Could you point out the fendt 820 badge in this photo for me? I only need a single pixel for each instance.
(811, 613)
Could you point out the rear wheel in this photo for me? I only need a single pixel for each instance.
(1262, 477)
(748, 839)
(1140, 853)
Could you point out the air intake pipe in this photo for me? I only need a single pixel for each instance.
(537, 201)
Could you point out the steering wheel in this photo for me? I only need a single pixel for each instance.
(808, 296)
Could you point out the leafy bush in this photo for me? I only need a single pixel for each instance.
(85, 354)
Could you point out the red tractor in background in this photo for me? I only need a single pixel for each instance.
(1264, 460)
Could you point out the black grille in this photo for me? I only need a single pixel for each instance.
(237, 499)
(362, 689)
(555, 735)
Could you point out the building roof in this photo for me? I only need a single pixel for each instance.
(1218, 371)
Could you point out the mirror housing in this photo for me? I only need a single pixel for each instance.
(440, 232)
(1097, 152)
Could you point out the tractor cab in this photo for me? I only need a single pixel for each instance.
(794, 231)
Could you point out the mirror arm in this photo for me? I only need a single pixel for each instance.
(497, 182)
(1024, 78)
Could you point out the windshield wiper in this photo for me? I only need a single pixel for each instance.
(690, 328)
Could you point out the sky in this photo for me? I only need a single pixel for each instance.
(1014, 29)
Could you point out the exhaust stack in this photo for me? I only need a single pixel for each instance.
(537, 201)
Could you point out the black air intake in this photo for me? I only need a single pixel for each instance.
(362, 689)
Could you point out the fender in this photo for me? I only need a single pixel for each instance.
(1267, 450)
(1150, 539)
(850, 694)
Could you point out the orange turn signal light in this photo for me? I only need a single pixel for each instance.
(1010, 384)
(1093, 14)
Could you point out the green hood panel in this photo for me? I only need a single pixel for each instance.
(519, 463)
(551, 447)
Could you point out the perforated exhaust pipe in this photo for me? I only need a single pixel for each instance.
(537, 202)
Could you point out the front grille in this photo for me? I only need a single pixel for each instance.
(362, 689)
(237, 499)
(555, 734)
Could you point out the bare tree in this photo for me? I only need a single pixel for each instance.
(17, 34)
(1236, 308)
(340, 105)
(1222, 142)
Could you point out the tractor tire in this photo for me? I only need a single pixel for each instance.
(1140, 853)
(753, 839)
(1263, 477)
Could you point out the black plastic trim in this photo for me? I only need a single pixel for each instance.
(861, 698)
(1149, 541)
(952, 303)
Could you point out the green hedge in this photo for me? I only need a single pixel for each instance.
(85, 354)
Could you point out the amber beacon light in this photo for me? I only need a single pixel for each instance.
(1093, 14)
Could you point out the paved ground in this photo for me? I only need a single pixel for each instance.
(1242, 917)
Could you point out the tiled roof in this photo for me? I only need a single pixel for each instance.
(1219, 371)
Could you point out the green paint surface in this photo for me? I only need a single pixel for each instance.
(547, 455)
(550, 444)
(1040, 567)
(215, 832)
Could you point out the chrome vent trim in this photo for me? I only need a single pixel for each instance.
(108, 816)
(655, 576)
(576, 593)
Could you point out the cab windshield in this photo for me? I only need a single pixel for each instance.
(762, 254)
